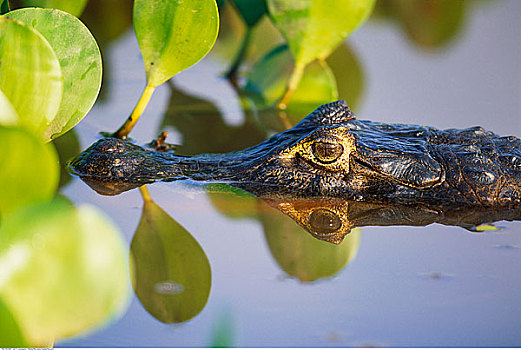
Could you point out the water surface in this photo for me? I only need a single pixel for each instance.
(403, 286)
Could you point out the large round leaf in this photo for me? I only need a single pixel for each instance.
(4, 6)
(313, 28)
(80, 62)
(74, 7)
(174, 35)
(10, 334)
(8, 115)
(29, 169)
(30, 75)
(64, 270)
(172, 275)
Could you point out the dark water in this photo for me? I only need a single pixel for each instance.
(402, 286)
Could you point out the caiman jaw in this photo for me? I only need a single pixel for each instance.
(111, 166)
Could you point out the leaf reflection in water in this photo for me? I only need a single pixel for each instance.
(171, 274)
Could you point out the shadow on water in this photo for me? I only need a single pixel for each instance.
(202, 127)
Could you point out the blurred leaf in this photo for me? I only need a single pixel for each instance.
(349, 75)
(231, 33)
(172, 275)
(108, 19)
(67, 147)
(29, 170)
(10, 335)
(64, 270)
(301, 255)
(317, 86)
(4, 6)
(313, 28)
(269, 77)
(8, 114)
(429, 23)
(174, 35)
(30, 79)
(203, 129)
(80, 63)
(74, 7)
(251, 10)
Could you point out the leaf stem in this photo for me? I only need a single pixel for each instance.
(231, 74)
(142, 103)
(145, 194)
(294, 80)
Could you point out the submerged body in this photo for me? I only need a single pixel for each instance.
(332, 154)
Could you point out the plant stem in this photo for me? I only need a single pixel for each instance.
(231, 74)
(283, 116)
(145, 194)
(294, 80)
(125, 129)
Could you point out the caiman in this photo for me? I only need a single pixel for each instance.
(331, 153)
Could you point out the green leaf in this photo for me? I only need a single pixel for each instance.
(251, 10)
(4, 6)
(269, 77)
(30, 79)
(174, 35)
(301, 255)
(80, 62)
(8, 115)
(64, 270)
(74, 7)
(10, 334)
(264, 37)
(29, 169)
(314, 28)
(172, 275)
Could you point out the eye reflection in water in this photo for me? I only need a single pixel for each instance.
(331, 219)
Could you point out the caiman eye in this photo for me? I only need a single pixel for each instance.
(324, 221)
(327, 152)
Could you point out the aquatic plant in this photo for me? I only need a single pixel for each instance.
(172, 36)
(71, 254)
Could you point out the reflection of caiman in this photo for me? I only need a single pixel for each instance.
(330, 153)
(331, 219)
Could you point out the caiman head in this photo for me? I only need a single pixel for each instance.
(329, 153)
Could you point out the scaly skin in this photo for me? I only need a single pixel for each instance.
(331, 154)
